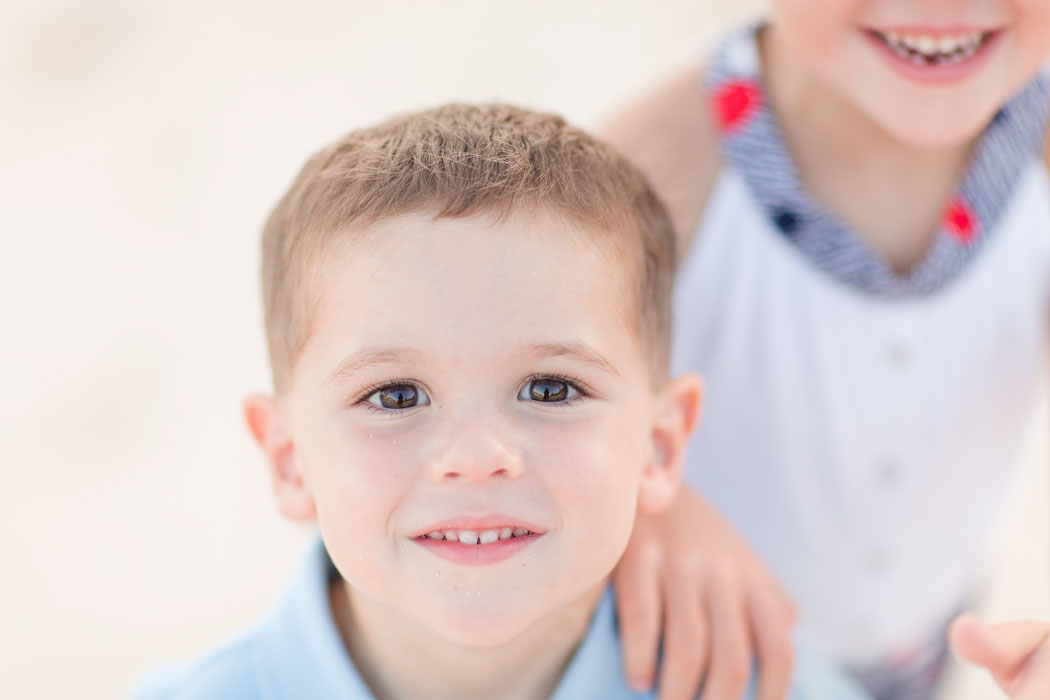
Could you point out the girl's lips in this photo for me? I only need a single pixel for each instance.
(922, 71)
(476, 554)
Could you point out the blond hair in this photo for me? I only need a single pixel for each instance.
(459, 160)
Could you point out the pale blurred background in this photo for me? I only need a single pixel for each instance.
(142, 144)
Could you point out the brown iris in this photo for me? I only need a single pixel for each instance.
(548, 390)
(399, 396)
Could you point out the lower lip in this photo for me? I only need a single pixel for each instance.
(476, 554)
(930, 73)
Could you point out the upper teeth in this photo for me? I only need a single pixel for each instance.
(934, 47)
(476, 537)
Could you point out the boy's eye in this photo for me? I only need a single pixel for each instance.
(399, 396)
(548, 390)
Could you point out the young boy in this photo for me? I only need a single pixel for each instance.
(468, 315)
(861, 192)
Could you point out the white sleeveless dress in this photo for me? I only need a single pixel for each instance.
(861, 429)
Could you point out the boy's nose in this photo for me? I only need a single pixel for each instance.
(476, 454)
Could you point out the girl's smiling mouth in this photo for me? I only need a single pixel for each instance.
(934, 55)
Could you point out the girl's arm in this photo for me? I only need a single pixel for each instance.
(721, 609)
(667, 132)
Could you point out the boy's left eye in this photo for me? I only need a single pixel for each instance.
(547, 390)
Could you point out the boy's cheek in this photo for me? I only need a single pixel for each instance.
(596, 474)
(366, 479)
(360, 554)
(355, 484)
(357, 497)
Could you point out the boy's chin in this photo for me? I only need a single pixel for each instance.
(488, 619)
(483, 636)
(484, 624)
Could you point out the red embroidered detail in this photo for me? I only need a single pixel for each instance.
(735, 102)
(960, 221)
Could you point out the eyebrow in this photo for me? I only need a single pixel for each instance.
(579, 351)
(370, 357)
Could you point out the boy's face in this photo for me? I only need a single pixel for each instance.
(930, 72)
(478, 377)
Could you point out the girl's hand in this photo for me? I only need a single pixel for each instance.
(719, 607)
(1016, 653)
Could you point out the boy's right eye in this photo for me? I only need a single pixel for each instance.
(398, 396)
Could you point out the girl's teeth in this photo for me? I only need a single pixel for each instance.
(436, 535)
(921, 48)
(519, 531)
(506, 533)
(488, 536)
(451, 535)
(948, 44)
(468, 537)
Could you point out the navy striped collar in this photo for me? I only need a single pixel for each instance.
(752, 144)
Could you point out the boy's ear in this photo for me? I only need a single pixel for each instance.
(677, 413)
(269, 427)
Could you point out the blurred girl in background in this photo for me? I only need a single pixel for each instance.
(861, 194)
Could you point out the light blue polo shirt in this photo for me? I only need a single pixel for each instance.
(297, 653)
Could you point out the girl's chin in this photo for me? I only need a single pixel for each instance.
(931, 126)
(942, 135)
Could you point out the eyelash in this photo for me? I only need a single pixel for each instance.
(362, 399)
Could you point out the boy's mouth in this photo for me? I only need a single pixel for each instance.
(478, 541)
(478, 537)
(942, 49)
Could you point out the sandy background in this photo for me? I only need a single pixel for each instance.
(141, 145)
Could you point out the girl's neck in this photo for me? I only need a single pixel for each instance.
(890, 192)
(400, 658)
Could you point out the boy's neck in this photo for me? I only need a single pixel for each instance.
(890, 192)
(400, 659)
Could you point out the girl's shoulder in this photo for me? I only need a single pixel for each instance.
(667, 130)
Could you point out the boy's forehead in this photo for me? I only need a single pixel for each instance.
(526, 276)
(503, 253)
